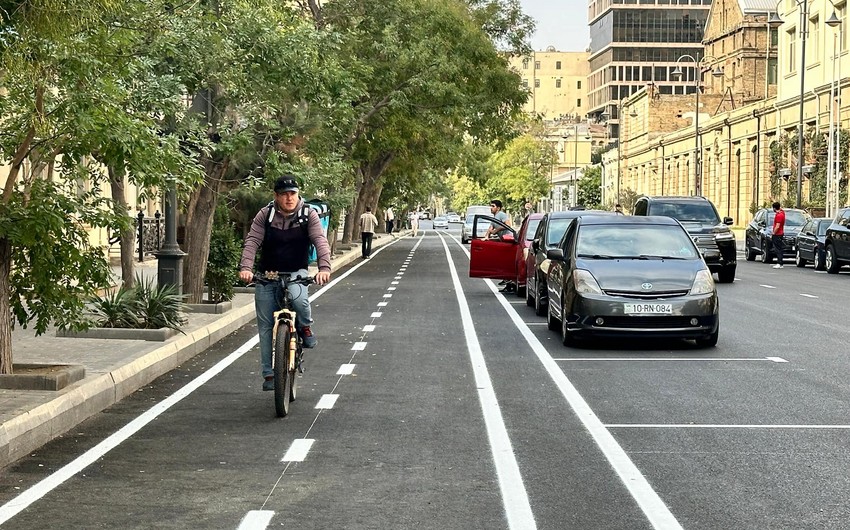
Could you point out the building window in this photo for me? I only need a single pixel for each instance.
(537, 65)
(578, 85)
(557, 65)
(774, 36)
(578, 103)
(536, 83)
(525, 64)
(792, 50)
(557, 83)
(813, 40)
(525, 83)
(771, 71)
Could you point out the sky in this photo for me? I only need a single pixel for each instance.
(560, 23)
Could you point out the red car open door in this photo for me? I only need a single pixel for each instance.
(495, 257)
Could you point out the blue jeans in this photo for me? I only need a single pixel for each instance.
(266, 303)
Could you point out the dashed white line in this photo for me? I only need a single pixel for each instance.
(394, 283)
(327, 401)
(391, 288)
(369, 327)
(808, 295)
(298, 450)
(377, 314)
(256, 519)
(388, 295)
(382, 304)
(767, 286)
(776, 359)
(345, 369)
(359, 346)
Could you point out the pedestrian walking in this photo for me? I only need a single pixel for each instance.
(389, 217)
(414, 222)
(368, 223)
(778, 234)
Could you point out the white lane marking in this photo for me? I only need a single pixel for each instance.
(653, 507)
(821, 272)
(369, 327)
(394, 283)
(391, 288)
(298, 450)
(808, 295)
(359, 346)
(382, 304)
(514, 495)
(397, 278)
(517, 302)
(377, 314)
(327, 401)
(388, 296)
(345, 369)
(717, 426)
(256, 520)
(534, 323)
(629, 359)
(767, 286)
(46, 485)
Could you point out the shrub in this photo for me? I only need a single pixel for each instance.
(145, 306)
(223, 261)
(117, 309)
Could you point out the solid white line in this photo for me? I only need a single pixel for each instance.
(327, 401)
(377, 314)
(256, 520)
(717, 426)
(298, 450)
(345, 369)
(647, 499)
(514, 495)
(776, 359)
(382, 304)
(359, 346)
(369, 327)
(628, 359)
(534, 323)
(767, 286)
(808, 295)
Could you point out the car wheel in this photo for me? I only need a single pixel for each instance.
(799, 260)
(766, 256)
(710, 341)
(818, 261)
(750, 254)
(539, 304)
(727, 274)
(832, 265)
(551, 322)
(566, 337)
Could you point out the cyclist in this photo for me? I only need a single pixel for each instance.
(284, 231)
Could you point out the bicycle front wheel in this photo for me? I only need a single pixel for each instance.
(282, 375)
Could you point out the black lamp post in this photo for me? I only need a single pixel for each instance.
(170, 258)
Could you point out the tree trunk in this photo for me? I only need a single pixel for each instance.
(368, 176)
(119, 206)
(199, 220)
(5, 307)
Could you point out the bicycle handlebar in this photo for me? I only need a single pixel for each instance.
(284, 277)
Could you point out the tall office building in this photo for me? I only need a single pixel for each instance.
(637, 42)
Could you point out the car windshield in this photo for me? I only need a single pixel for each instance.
(532, 228)
(792, 218)
(556, 230)
(697, 211)
(635, 242)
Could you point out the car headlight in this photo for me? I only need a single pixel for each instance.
(703, 283)
(724, 236)
(585, 282)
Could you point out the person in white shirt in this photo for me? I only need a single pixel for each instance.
(390, 219)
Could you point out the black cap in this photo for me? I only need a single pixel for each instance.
(285, 183)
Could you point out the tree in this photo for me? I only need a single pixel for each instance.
(590, 188)
(522, 171)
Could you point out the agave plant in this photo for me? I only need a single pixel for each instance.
(158, 307)
(118, 308)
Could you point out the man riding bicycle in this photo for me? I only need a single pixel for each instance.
(284, 231)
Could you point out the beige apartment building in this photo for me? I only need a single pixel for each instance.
(745, 155)
(557, 83)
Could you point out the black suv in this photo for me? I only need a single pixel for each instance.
(698, 215)
(838, 242)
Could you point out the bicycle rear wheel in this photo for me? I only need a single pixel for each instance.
(282, 375)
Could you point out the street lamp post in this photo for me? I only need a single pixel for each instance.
(605, 116)
(677, 73)
(170, 257)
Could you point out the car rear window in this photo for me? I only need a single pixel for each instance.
(635, 241)
(532, 228)
(702, 212)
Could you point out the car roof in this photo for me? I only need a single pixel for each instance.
(572, 214)
(676, 198)
(628, 220)
(770, 210)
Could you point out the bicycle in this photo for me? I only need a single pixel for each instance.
(287, 351)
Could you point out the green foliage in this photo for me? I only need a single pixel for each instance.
(145, 306)
(223, 261)
(522, 172)
(590, 188)
(118, 308)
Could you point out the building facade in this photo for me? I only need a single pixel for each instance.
(557, 83)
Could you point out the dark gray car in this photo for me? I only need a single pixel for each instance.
(627, 276)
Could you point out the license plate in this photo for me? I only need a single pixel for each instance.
(648, 309)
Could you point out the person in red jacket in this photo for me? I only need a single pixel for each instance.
(778, 233)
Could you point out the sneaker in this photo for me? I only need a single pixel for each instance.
(778, 266)
(268, 384)
(307, 337)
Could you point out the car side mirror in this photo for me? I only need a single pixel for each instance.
(728, 221)
(555, 254)
(535, 245)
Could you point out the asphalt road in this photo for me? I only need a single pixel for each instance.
(459, 409)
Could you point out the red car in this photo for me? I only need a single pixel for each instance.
(489, 260)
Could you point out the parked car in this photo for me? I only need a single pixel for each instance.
(521, 242)
(630, 276)
(494, 257)
(837, 242)
(757, 240)
(549, 233)
(453, 217)
(441, 222)
(466, 230)
(811, 243)
(424, 215)
(699, 217)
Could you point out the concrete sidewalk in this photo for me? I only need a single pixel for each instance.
(114, 368)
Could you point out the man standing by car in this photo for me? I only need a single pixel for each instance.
(496, 211)
(778, 233)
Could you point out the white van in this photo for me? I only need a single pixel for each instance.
(471, 212)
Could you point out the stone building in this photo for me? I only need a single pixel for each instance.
(557, 83)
